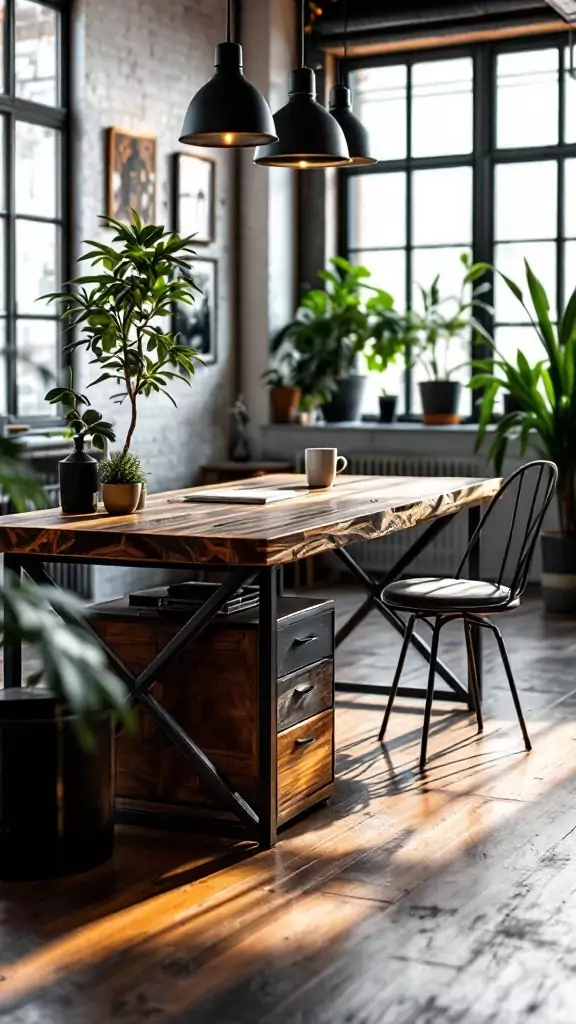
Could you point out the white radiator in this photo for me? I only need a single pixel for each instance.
(444, 554)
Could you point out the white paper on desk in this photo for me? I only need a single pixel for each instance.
(240, 496)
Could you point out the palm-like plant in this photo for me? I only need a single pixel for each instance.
(545, 393)
(121, 311)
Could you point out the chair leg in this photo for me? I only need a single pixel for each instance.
(430, 692)
(398, 673)
(473, 676)
(512, 684)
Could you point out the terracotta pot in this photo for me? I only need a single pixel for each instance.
(285, 402)
(121, 499)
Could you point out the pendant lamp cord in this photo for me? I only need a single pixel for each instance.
(228, 20)
(342, 63)
(302, 29)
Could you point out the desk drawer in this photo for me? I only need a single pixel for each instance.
(305, 693)
(305, 642)
(305, 764)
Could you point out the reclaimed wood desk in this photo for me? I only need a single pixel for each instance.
(244, 542)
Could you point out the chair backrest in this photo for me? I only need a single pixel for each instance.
(530, 489)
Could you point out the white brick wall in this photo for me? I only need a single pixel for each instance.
(137, 65)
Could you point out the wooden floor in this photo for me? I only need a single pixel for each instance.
(409, 900)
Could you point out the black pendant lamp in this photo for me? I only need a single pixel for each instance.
(341, 109)
(308, 136)
(228, 112)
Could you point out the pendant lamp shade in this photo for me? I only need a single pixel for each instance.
(308, 136)
(357, 137)
(228, 112)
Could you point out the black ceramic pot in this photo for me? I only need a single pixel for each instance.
(56, 799)
(559, 573)
(78, 477)
(345, 406)
(388, 408)
(440, 402)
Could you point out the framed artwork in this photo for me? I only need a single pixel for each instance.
(197, 325)
(131, 175)
(194, 184)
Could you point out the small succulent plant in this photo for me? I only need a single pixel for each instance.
(121, 468)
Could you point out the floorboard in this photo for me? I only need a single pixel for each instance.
(439, 899)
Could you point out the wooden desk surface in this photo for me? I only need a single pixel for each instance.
(357, 508)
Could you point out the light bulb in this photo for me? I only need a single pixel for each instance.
(303, 164)
(228, 138)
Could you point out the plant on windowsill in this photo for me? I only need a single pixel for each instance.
(78, 473)
(545, 419)
(122, 480)
(329, 336)
(388, 341)
(57, 731)
(121, 310)
(284, 394)
(431, 334)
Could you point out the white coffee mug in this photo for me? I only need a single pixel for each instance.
(323, 465)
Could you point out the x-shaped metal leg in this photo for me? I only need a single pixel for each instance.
(139, 686)
(374, 589)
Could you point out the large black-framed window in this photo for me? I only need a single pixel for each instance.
(34, 199)
(477, 154)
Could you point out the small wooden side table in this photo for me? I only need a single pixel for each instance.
(225, 472)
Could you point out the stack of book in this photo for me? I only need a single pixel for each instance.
(191, 596)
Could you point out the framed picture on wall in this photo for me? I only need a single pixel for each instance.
(197, 324)
(194, 185)
(131, 175)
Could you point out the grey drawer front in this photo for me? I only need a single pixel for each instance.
(304, 642)
(305, 693)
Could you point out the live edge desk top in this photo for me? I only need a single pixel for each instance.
(168, 532)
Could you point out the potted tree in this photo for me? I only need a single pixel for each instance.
(57, 732)
(545, 418)
(329, 335)
(431, 333)
(78, 472)
(121, 312)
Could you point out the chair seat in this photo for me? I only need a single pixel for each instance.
(437, 594)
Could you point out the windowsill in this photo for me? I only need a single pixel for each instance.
(369, 425)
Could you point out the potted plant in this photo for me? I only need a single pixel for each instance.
(121, 312)
(329, 334)
(78, 472)
(122, 480)
(545, 419)
(284, 395)
(431, 334)
(388, 341)
(57, 732)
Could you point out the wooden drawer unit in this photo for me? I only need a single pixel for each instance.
(211, 690)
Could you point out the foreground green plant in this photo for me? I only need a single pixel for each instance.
(121, 311)
(121, 468)
(545, 392)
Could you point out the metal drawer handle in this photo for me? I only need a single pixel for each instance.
(305, 741)
(302, 641)
(302, 689)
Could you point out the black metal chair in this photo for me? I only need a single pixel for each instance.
(437, 601)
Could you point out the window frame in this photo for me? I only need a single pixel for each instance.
(13, 109)
(484, 159)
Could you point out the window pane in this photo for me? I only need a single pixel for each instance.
(570, 103)
(36, 50)
(527, 98)
(570, 198)
(442, 107)
(442, 206)
(377, 210)
(427, 263)
(388, 269)
(35, 169)
(379, 99)
(510, 260)
(36, 254)
(569, 269)
(526, 198)
(37, 369)
(510, 339)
